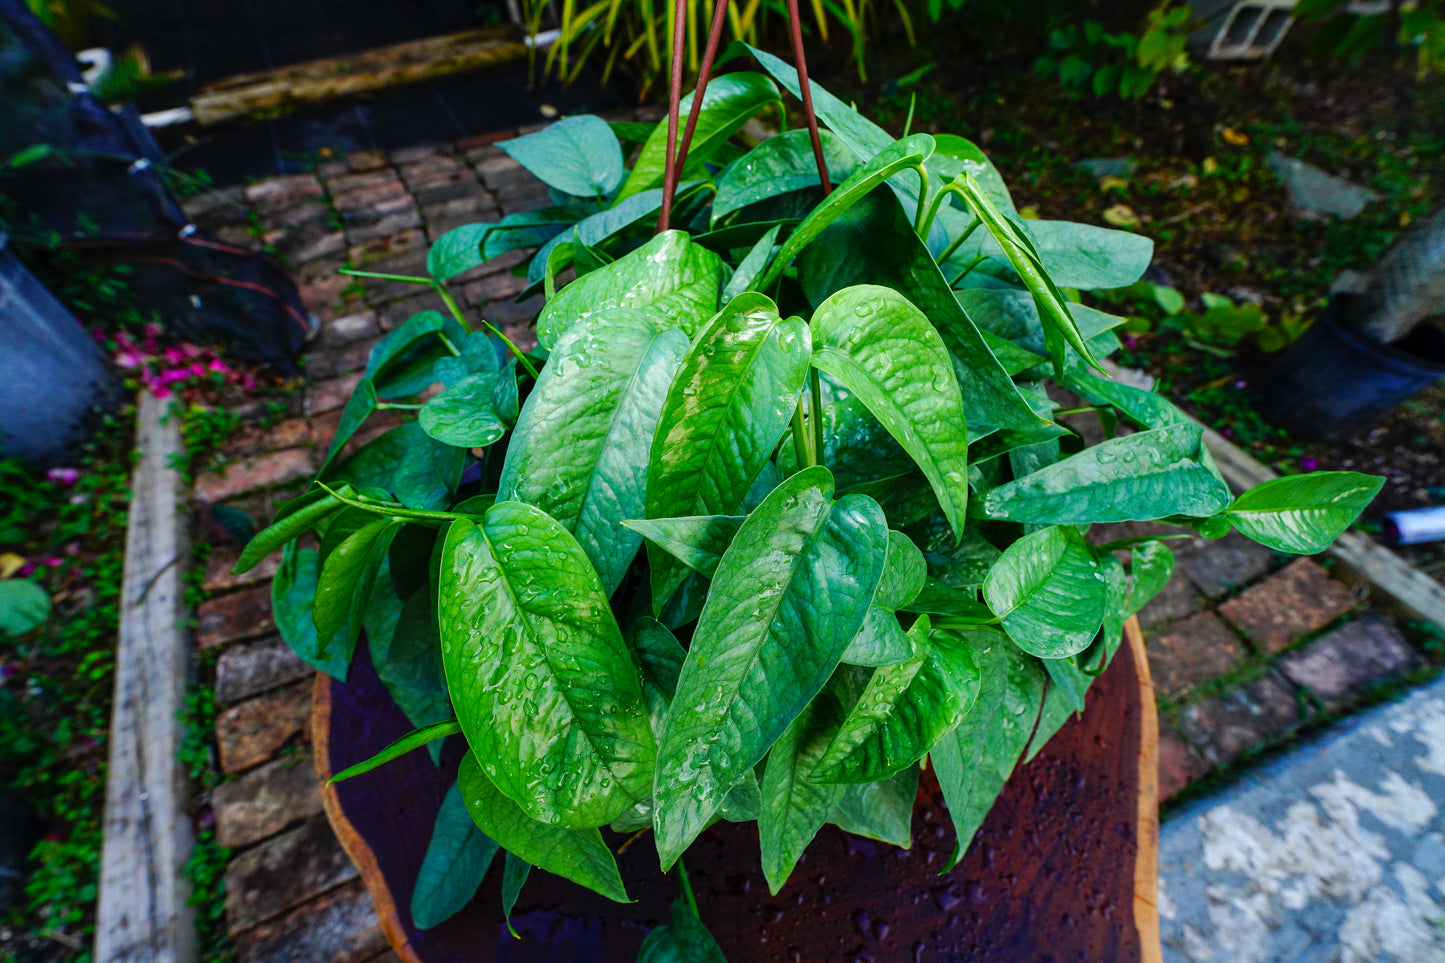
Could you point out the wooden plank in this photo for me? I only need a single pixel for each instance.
(1146, 859)
(143, 916)
(287, 88)
(1392, 580)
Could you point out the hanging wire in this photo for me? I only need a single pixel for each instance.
(674, 108)
(714, 37)
(795, 25)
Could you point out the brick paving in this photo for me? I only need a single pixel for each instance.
(1246, 646)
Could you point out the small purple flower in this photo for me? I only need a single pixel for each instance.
(6, 671)
(1131, 342)
(26, 570)
(1225, 432)
(63, 476)
(1241, 383)
(1309, 464)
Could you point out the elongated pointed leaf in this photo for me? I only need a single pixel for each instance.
(404, 362)
(905, 154)
(580, 448)
(532, 228)
(358, 408)
(400, 747)
(579, 155)
(727, 408)
(1146, 475)
(293, 592)
(421, 472)
(457, 251)
(311, 509)
(577, 854)
(543, 684)
(751, 267)
(462, 415)
(875, 343)
(953, 155)
(728, 103)
(580, 246)
(975, 760)
(1088, 257)
(795, 806)
(1151, 566)
(456, 860)
(790, 592)
(777, 166)
(344, 582)
(1046, 589)
(670, 277)
(904, 711)
(1303, 513)
(881, 640)
(1147, 409)
(879, 810)
(514, 877)
(874, 244)
(696, 541)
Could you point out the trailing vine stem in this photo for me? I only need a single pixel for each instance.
(456, 312)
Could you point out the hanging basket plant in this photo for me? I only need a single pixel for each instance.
(779, 511)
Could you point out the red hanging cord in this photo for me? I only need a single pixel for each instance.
(714, 37)
(674, 108)
(795, 25)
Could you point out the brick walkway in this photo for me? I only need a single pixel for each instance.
(1246, 647)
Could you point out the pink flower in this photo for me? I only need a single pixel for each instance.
(161, 392)
(248, 382)
(63, 476)
(1130, 341)
(174, 356)
(218, 365)
(54, 562)
(199, 370)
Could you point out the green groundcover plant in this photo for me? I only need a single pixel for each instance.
(778, 511)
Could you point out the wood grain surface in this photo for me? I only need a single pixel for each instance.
(1063, 869)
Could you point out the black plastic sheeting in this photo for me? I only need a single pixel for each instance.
(100, 191)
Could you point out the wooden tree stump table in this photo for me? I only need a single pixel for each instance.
(1063, 869)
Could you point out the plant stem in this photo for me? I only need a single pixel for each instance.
(958, 242)
(687, 893)
(967, 267)
(456, 312)
(405, 278)
(923, 214)
(396, 406)
(816, 407)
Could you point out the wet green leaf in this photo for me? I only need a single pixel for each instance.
(404, 362)
(421, 472)
(456, 860)
(309, 510)
(795, 805)
(400, 747)
(697, 541)
(293, 591)
(542, 681)
(462, 415)
(1047, 591)
(685, 941)
(777, 166)
(879, 810)
(24, 605)
(579, 156)
(1151, 566)
(1302, 514)
(345, 584)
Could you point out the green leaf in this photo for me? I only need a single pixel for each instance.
(638, 212)
(910, 152)
(726, 409)
(751, 267)
(311, 509)
(1046, 590)
(875, 343)
(874, 244)
(795, 806)
(358, 408)
(581, 444)
(1151, 566)
(514, 876)
(403, 363)
(478, 357)
(345, 583)
(697, 541)
(457, 251)
(462, 415)
(1147, 409)
(1302, 514)
(685, 941)
(293, 591)
(904, 711)
(1146, 475)
(421, 472)
(534, 228)
(659, 657)
(1013, 314)
(879, 810)
(456, 860)
(777, 166)
(881, 640)
(505, 396)
(24, 605)
(974, 761)
(953, 155)
(790, 592)
(543, 684)
(579, 156)
(400, 747)
(670, 277)
(728, 103)
(577, 854)
(1090, 258)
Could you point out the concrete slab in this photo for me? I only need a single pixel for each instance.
(1335, 852)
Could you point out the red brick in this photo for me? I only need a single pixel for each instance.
(324, 362)
(284, 872)
(410, 155)
(1247, 717)
(238, 235)
(294, 217)
(250, 668)
(392, 314)
(218, 205)
(252, 732)
(230, 618)
(1177, 600)
(332, 296)
(1193, 651)
(1295, 601)
(254, 440)
(481, 146)
(448, 216)
(265, 471)
(1353, 657)
(362, 180)
(1179, 764)
(279, 193)
(498, 286)
(1219, 565)
(331, 394)
(507, 313)
(338, 927)
(375, 197)
(266, 800)
(389, 250)
(360, 230)
(223, 558)
(366, 160)
(350, 329)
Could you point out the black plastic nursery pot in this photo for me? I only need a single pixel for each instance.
(1335, 382)
(1063, 868)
